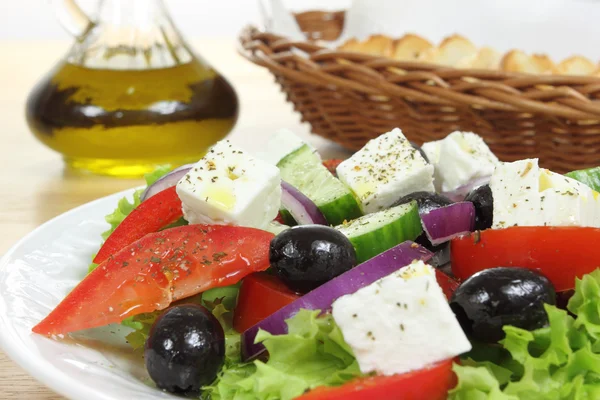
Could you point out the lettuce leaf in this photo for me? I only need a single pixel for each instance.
(561, 361)
(313, 353)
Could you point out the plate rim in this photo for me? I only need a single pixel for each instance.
(53, 378)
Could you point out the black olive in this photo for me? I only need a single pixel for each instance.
(306, 256)
(426, 202)
(483, 201)
(420, 150)
(501, 296)
(185, 349)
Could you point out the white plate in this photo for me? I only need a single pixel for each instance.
(34, 276)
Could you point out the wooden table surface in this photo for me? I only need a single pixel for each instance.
(36, 187)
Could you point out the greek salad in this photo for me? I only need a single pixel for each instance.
(402, 272)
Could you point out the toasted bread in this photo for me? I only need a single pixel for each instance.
(453, 50)
(410, 47)
(487, 58)
(376, 44)
(518, 61)
(458, 52)
(577, 65)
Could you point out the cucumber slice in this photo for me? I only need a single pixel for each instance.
(304, 170)
(590, 177)
(375, 233)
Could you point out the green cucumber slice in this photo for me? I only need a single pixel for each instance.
(590, 177)
(375, 233)
(303, 169)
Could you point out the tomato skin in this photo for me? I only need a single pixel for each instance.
(431, 383)
(260, 295)
(447, 283)
(332, 164)
(151, 215)
(560, 253)
(157, 270)
(279, 218)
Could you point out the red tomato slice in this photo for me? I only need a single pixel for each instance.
(425, 384)
(260, 295)
(332, 164)
(559, 253)
(153, 214)
(158, 269)
(447, 283)
(279, 218)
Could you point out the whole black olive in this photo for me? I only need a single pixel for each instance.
(483, 201)
(420, 150)
(306, 256)
(428, 201)
(185, 349)
(501, 296)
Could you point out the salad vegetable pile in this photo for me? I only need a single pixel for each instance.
(404, 272)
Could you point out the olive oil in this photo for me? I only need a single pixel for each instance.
(125, 122)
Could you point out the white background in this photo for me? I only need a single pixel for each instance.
(560, 28)
(34, 19)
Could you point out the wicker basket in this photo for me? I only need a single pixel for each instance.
(350, 98)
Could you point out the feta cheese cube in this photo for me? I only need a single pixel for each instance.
(230, 187)
(459, 158)
(527, 195)
(384, 170)
(281, 144)
(400, 323)
(516, 193)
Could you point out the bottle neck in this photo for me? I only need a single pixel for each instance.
(132, 13)
(131, 34)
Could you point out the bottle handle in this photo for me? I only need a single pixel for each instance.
(71, 17)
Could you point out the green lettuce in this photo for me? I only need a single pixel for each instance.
(313, 353)
(561, 361)
(125, 206)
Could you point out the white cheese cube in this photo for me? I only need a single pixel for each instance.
(230, 187)
(400, 323)
(281, 144)
(432, 150)
(527, 195)
(516, 192)
(460, 158)
(567, 202)
(384, 170)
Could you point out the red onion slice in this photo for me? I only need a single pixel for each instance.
(461, 192)
(445, 223)
(166, 181)
(322, 297)
(302, 209)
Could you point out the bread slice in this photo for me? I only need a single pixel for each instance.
(380, 45)
(409, 47)
(577, 65)
(487, 58)
(454, 50)
(518, 61)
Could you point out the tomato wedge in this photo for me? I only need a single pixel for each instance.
(425, 384)
(153, 214)
(447, 283)
(158, 269)
(332, 164)
(560, 253)
(260, 295)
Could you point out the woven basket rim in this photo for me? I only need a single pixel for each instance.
(430, 79)
(321, 52)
